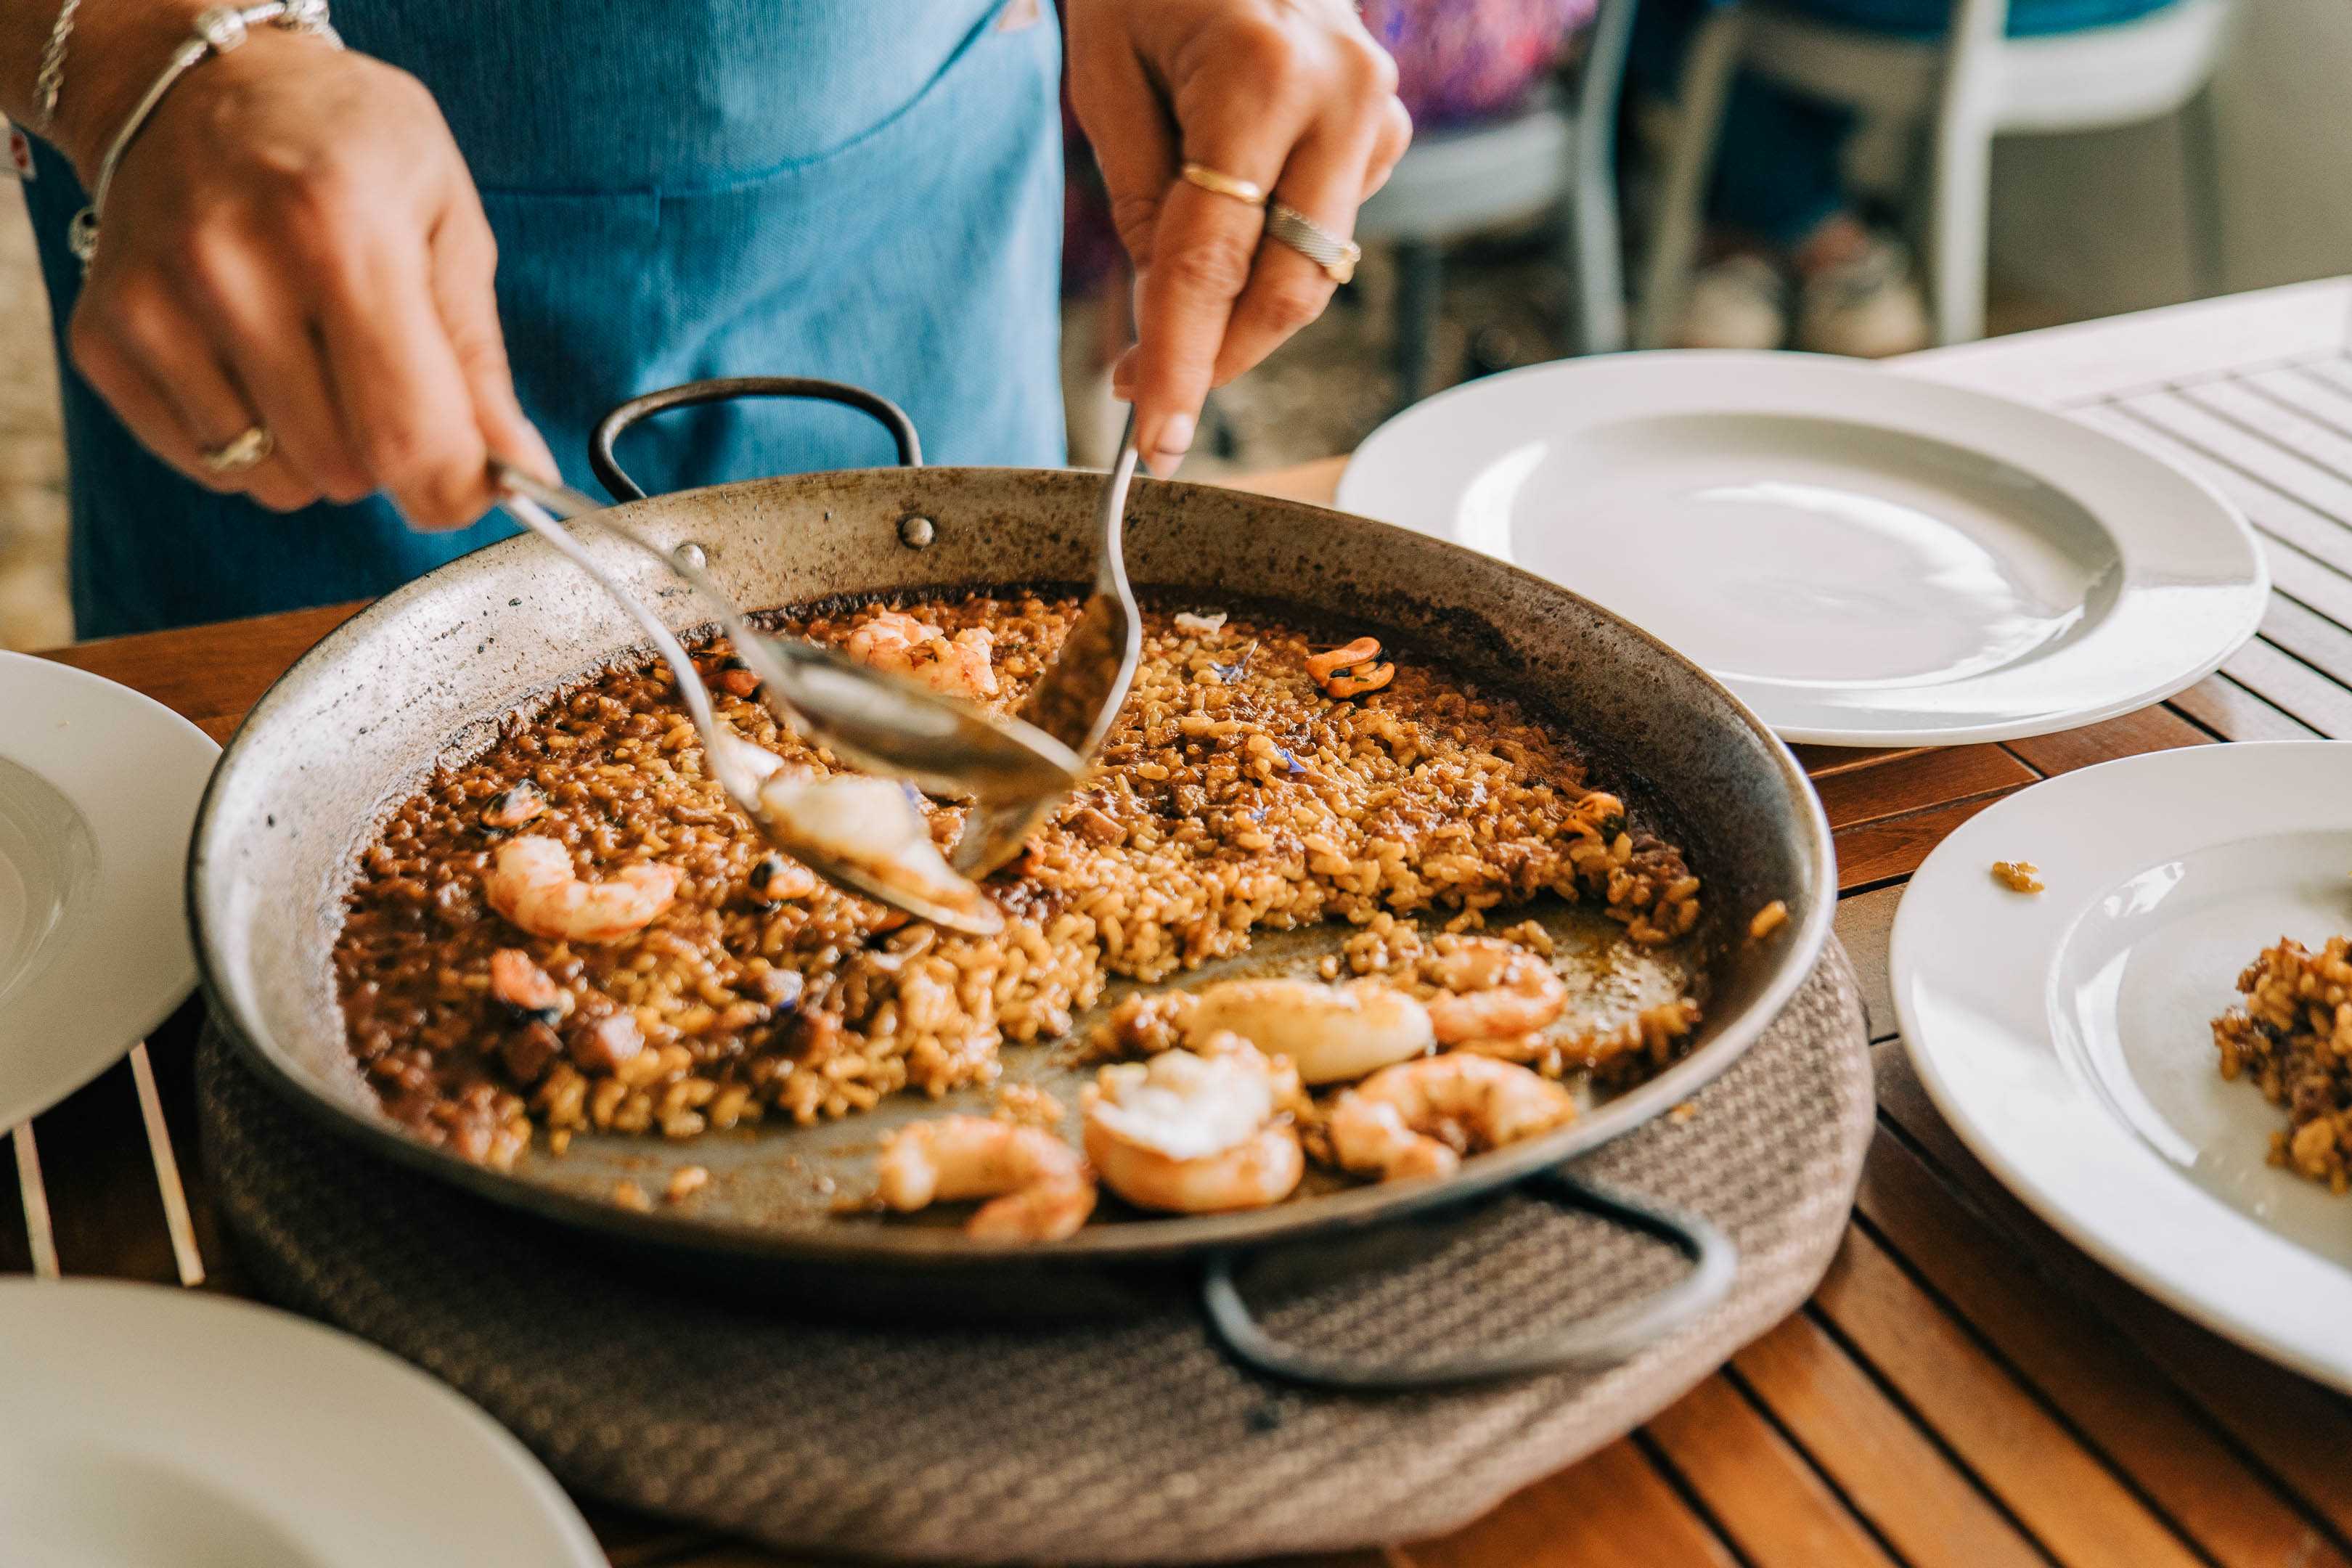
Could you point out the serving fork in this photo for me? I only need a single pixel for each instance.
(1078, 698)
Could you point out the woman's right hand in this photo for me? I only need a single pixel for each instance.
(294, 241)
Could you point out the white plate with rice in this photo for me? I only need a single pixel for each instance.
(143, 1423)
(99, 788)
(1865, 558)
(2067, 1035)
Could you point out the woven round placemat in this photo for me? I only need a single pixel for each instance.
(1136, 1441)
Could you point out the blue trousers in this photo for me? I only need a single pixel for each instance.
(1777, 165)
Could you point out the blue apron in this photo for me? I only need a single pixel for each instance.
(866, 190)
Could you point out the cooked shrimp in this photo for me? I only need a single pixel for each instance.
(1330, 1032)
(1039, 1187)
(870, 826)
(532, 884)
(1363, 650)
(1195, 1134)
(1352, 669)
(961, 665)
(1493, 991)
(1418, 1119)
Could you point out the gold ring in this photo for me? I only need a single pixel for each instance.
(249, 449)
(1226, 184)
(1335, 257)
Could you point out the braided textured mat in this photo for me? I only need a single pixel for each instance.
(1128, 1442)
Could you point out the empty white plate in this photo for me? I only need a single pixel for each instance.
(2066, 1037)
(99, 788)
(1865, 558)
(143, 1426)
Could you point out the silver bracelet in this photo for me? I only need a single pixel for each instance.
(51, 80)
(217, 31)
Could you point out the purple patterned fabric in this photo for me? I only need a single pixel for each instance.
(1468, 59)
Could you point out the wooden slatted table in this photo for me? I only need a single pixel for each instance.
(1965, 1391)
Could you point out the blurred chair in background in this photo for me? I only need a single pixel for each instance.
(1497, 140)
(1768, 91)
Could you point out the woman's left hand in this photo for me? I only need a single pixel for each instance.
(1293, 96)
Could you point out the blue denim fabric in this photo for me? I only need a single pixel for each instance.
(867, 190)
(1776, 162)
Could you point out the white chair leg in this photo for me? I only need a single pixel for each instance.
(1960, 197)
(2201, 168)
(1681, 193)
(1596, 253)
(1957, 232)
(1599, 272)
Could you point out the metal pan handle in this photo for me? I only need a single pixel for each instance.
(1609, 1337)
(643, 406)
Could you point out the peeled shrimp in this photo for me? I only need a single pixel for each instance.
(1039, 1187)
(1418, 1119)
(1195, 1134)
(531, 883)
(868, 824)
(959, 667)
(1493, 991)
(1330, 1032)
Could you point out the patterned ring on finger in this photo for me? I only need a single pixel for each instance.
(1336, 256)
(247, 449)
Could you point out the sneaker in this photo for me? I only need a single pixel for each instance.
(1738, 302)
(1869, 308)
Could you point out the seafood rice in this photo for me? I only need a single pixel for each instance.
(2293, 1041)
(1237, 793)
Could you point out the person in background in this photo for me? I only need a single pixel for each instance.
(1459, 61)
(329, 283)
(1788, 240)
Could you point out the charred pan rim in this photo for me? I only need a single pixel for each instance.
(1139, 1241)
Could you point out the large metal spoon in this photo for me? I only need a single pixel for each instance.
(1079, 696)
(740, 768)
(873, 719)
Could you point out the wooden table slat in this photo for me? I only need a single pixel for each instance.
(2279, 517)
(2291, 685)
(1614, 1510)
(2060, 1489)
(1919, 781)
(1765, 1496)
(1889, 1471)
(2150, 729)
(2296, 1431)
(1822, 763)
(2096, 1379)
(2196, 424)
(1894, 846)
(2220, 703)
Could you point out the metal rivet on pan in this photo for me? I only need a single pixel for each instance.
(691, 554)
(916, 532)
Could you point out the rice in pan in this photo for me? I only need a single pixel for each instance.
(1245, 788)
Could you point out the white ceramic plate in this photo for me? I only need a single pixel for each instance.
(2065, 1037)
(141, 1424)
(99, 788)
(1865, 558)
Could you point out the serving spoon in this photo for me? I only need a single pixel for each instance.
(873, 719)
(937, 726)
